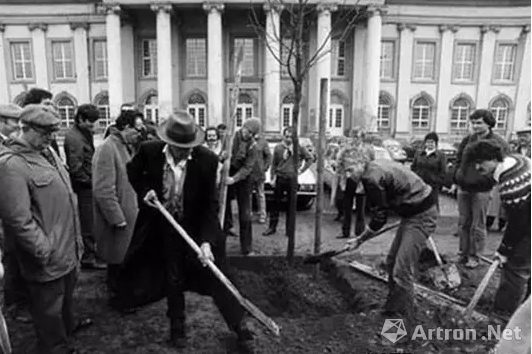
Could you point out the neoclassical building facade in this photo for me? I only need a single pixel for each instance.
(412, 66)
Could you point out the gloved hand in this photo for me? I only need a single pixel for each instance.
(502, 259)
(355, 242)
(206, 253)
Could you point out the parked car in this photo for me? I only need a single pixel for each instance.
(306, 193)
(395, 149)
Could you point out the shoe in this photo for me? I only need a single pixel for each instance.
(250, 254)
(472, 263)
(178, 336)
(93, 264)
(342, 236)
(262, 221)
(177, 342)
(338, 217)
(230, 233)
(245, 335)
(269, 232)
(82, 324)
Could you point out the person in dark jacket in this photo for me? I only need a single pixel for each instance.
(182, 175)
(431, 164)
(39, 211)
(390, 186)
(474, 190)
(41, 96)
(512, 175)
(258, 176)
(243, 159)
(283, 173)
(79, 150)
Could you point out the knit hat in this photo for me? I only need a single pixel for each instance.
(253, 125)
(486, 116)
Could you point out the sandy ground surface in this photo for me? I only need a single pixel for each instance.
(314, 315)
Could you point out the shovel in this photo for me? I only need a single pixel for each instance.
(480, 290)
(445, 276)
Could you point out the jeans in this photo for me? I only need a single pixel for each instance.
(242, 192)
(85, 208)
(51, 310)
(348, 196)
(472, 210)
(403, 258)
(258, 188)
(282, 187)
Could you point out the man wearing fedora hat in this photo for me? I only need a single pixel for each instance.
(40, 215)
(182, 175)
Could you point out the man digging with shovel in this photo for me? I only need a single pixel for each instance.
(390, 186)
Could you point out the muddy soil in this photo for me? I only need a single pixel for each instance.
(315, 316)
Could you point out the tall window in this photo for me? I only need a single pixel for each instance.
(421, 110)
(505, 62)
(196, 63)
(151, 109)
(100, 59)
(336, 117)
(66, 108)
(460, 115)
(62, 54)
(338, 57)
(21, 58)
(103, 108)
(383, 113)
(248, 60)
(424, 65)
(286, 59)
(464, 62)
(500, 108)
(244, 109)
(197, 107)
(287, 111)
(387, 60)
(149, 58)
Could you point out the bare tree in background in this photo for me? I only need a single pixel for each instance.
(296, 58)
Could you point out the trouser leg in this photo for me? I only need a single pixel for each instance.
(513, 286)
(174, 267)
(261, 198)
(85, 208)
(51, 310)
(479, 209)
(15, 288)
(228, 217)
(463, 200)
(278, 191)
(243, 196)
(349, 194)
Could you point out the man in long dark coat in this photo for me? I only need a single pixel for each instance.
(182, 175)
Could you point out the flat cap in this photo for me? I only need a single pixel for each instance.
(10, 111)
(42, 116)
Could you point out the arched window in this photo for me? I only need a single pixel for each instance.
(102, 102)
(500, 108)
(66, 108)
(335, 124)
(384, 113)
(197, 107)
(151, 109)
(244, 109)
(460, 110)
(421, 113)
(287, 111)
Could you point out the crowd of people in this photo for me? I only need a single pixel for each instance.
(97, 209)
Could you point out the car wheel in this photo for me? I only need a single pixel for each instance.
(305, 203)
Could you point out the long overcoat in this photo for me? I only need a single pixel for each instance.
(115, 200)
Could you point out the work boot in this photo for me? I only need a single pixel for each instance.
(245, 335)
(269, 232)
(178, 337)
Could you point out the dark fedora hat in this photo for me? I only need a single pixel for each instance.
(179, 129)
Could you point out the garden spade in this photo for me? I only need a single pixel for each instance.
(445, 276)
(5, 343)
(318, 258)
(480, 290)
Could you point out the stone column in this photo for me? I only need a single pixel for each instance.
(81, 49)
(272, 68)
(164, 58)
(114, 60)
(323, 48)
(445, 92)
(488, 38)
(523, 85)
(406, 42)
(373, 53)
(4, 90)
(38, 37)
(215, 62)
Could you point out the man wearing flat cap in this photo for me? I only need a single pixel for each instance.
(39, 211)
(9, 117)
(180, 173)
(243, 159)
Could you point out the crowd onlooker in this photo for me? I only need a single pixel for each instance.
(258, 175)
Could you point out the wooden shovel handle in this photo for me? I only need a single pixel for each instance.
(435, 250)
(480, 290)
(248, 305)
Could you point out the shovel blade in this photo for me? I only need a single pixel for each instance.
(447, 277)
(438, 277)
(453, 276)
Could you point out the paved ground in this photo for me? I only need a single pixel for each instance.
(276, 245)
